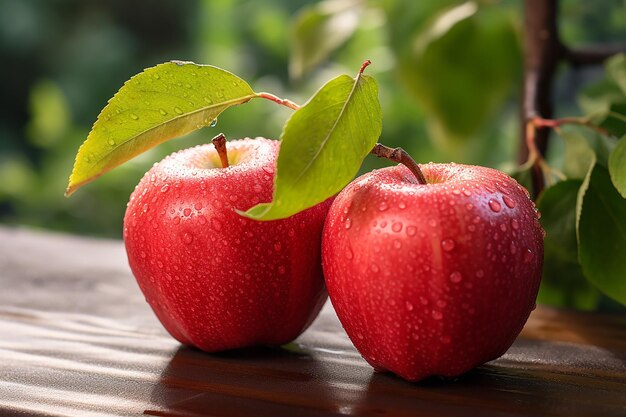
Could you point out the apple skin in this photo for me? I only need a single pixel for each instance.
(217, 280)
(432, 279)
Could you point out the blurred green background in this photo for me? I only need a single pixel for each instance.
(449, 74)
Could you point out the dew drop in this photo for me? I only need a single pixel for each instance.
(411, 231)
(198, 206)
(409, 306)
(467, 192)
(402, 205)
(165, 188)
(176, 220)
(187, 212)
(528, 255)
(447, 244)
(359, 335)
(111, 142)
(397, 244)
(508, 201)
(163, 112)
(383, 206)
(281, 269)
(213, 122)
(348, 223)
(143, 254)
(514, 224)
(208, 100)
(503, 227)
(160, 264)
(177, 110)
(268, 169)
(480, 273)
(471, 228)
(469, 206)
(202, 219)
(374, 268)
(538, 214)
(494, 206)
(216, 224)
(437, 315)
(277, 247)
(512, 248)
(397, 227)
(134, 116)
(349, 253)
(432, 222)
(188, 238)
(456, 277)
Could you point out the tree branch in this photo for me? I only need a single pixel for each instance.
(591, 54)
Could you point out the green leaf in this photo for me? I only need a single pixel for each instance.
(161, 103)
(583, 148)
(319, 30)
(557, 205)
(459, 66)
(601, 233)
(616, 69)
(323, 145)
(617, 166)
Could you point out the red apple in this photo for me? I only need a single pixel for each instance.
(217, 280)
(436, 278)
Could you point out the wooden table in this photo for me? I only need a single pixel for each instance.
(77, 338)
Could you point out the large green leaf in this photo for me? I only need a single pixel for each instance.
(617, 166)
(161, 103)
(459, 65)
(601, 233)
(320, 29)
(323, 145)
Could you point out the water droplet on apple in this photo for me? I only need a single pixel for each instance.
(198, 206)
(291, 232)
(145, 208)
(396, 227)
(494, 206)
(383, 206)
(445, 339)
(432, 222)
(268, 169)
(349, 253)
(202, 219)
(187, 238)
(469, 206)
(397, 244)
(456, 277)
(359, 335)
(409, 306)
(216, 224)
(512, 248)
(178, 110)
(411, 231)
(467, 192)
(538, 214)
(348, 223)
(187, 212)
(447, 244)
(277, 246)
(508, 201)
(436, 314)
(281, 269)
(160, 264)
(402, 205)
(528, 255)
(503, 227)
(480, 273)
(176, 220)
(374, 268)
(143, 254)
(471, 228)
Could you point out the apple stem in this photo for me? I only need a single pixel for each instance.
(282, 101)
(401, 156)
(220, 146)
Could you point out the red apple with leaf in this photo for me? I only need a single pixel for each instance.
(216, 277)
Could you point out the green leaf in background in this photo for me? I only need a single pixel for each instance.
(459, 66)
(583, 148)
(604, 103)
(617, 166)
(601, 233)
(161, 103)
(323, 145)
(319, 30)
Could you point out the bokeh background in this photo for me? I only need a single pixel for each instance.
(450, 83)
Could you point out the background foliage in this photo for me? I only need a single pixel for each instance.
(65, 58)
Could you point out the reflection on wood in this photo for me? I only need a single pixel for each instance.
(76, 338)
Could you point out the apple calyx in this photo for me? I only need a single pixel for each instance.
(220, 146)
(401, 156)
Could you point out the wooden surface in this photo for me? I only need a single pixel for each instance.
(77, 338)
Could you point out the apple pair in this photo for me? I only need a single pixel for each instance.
(427, 279)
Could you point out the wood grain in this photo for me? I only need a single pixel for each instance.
(77, 338)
